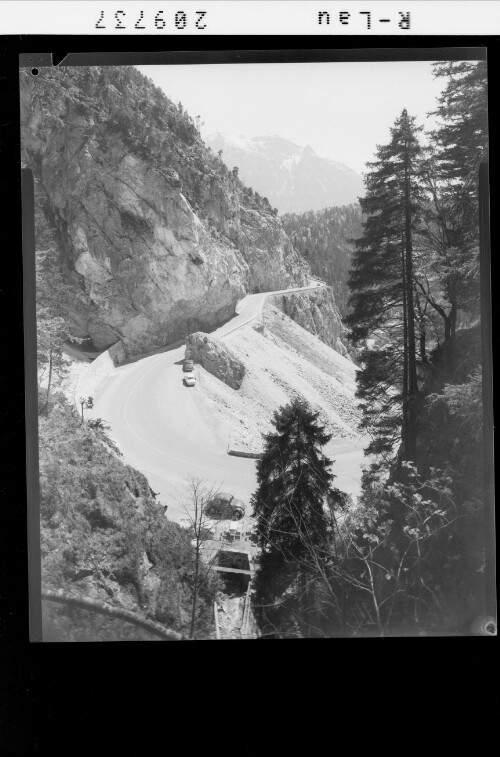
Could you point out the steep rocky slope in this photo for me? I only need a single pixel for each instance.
(316, 312)
(104, 536)
(156, 237)
(281, 361)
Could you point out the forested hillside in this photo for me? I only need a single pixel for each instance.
(325, 239)
(410, 558)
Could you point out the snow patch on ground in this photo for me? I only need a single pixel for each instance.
(75, 370)
(75, 380)
(235, 140)
(290, 162)
(282, 362)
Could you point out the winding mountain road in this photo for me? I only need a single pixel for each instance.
(158, 426)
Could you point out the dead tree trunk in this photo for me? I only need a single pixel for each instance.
(195, 593)
(119, 613)
(49, 384)
(404, 426)
(412, 363)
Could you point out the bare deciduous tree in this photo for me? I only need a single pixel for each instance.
(364, 579)
(201, 529)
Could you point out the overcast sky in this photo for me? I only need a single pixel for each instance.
(342, 110)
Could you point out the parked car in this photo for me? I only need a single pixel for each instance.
(188, 365)
(224, 506)
(190, 379)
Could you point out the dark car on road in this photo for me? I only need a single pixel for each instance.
(188, 365)
(225, 506)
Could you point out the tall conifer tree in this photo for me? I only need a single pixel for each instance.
(294, 480)
(382, 286)
(460, 145)
(52, 310)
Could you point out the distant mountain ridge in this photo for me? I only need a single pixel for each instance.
(294, 179)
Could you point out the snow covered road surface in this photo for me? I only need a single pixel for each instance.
(157, 424)
(250, 307)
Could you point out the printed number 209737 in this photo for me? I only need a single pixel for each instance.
(178, 20)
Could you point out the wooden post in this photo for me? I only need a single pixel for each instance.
(487, 377)
(246, 610)
(216, 619)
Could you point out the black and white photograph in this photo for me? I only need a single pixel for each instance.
(259, 357)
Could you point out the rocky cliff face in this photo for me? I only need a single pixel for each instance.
(316, 312)
(157, 238)
(104, 536)
(216, 358)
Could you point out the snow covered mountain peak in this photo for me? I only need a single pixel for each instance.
(293, 177)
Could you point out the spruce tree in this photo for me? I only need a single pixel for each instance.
(294, 478)
(382, 283)
(294, 483)
(460, 145)
(52, 309)
(462, 134)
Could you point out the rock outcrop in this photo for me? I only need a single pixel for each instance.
(93, 505)
(317, 312)
(157, 238)
(216, 358)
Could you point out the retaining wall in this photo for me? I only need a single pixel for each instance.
(244, 453)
